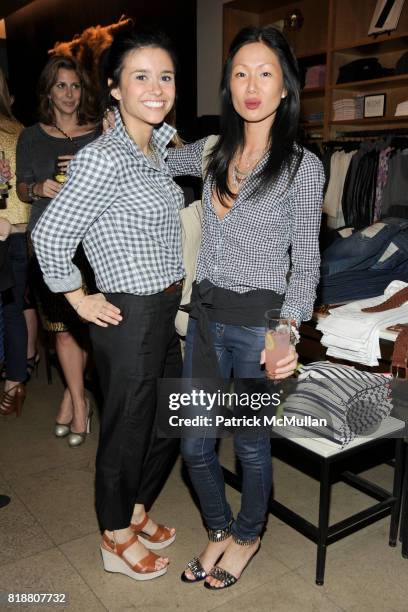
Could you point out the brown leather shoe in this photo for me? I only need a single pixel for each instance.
(13, 402)
(161, 538)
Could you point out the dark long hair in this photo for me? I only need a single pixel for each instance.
(113, 58)
(283, 153)
(89, 106)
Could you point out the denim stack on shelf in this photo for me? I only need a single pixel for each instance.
(362, 264)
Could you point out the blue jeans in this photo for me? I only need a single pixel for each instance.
(359, 251)
(238, 348)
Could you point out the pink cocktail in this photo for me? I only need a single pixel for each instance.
(276, 347)
(277, 339)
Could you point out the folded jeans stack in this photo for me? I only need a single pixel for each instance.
(362, 265)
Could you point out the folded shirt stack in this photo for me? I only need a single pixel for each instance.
(347, 108)
(315, 76)
(351, 402)
(353, 335)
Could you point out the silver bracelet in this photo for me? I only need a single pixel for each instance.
(294, 334)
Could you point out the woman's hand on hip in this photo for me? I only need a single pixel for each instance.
(96, 309)
(284, 367)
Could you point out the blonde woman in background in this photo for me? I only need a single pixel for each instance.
(16, 213)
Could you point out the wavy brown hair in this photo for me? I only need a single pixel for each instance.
(5, 98)
(89, 107)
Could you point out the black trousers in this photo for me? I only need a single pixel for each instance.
(15, 328)
(132, 463)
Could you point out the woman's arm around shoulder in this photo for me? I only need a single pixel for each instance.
(187, 160)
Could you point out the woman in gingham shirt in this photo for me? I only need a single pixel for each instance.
(262, 207)
(122, 203)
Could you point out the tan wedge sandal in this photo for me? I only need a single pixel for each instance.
(114, 561)
(160, 539)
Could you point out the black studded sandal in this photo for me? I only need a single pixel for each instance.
(225, 577)
(195, 567)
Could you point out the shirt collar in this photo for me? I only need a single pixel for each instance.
(161, 135)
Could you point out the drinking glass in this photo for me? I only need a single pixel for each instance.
(277, 338)
(60, 174)
(3, 181)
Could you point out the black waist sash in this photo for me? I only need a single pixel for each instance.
(211, 303)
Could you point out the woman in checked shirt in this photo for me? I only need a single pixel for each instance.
(262, 207)
(122, 203)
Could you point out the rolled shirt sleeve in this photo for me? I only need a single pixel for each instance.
(88, 192)
(305, 253)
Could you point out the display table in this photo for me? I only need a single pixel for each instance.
(329, 463)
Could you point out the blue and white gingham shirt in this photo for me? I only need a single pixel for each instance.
(123, 209)
(249, 248)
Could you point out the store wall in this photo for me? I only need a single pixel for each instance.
(209, 55)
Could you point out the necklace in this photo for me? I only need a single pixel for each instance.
(62, 132)
(250, 161)
(151, 154)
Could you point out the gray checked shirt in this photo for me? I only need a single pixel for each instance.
(249, 248)
(125, 210)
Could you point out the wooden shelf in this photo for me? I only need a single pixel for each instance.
(371, 120)
(257, 6)
(313, 91)
(392, 42)
(399, 80)
(334, 33)
(312, 124)
(310, 54)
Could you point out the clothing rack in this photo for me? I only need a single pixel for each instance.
(395, 140)
(373, 133)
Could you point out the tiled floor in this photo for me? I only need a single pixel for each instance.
(49, 540)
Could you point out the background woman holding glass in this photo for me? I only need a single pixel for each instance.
(262, 206)
(68, 120)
